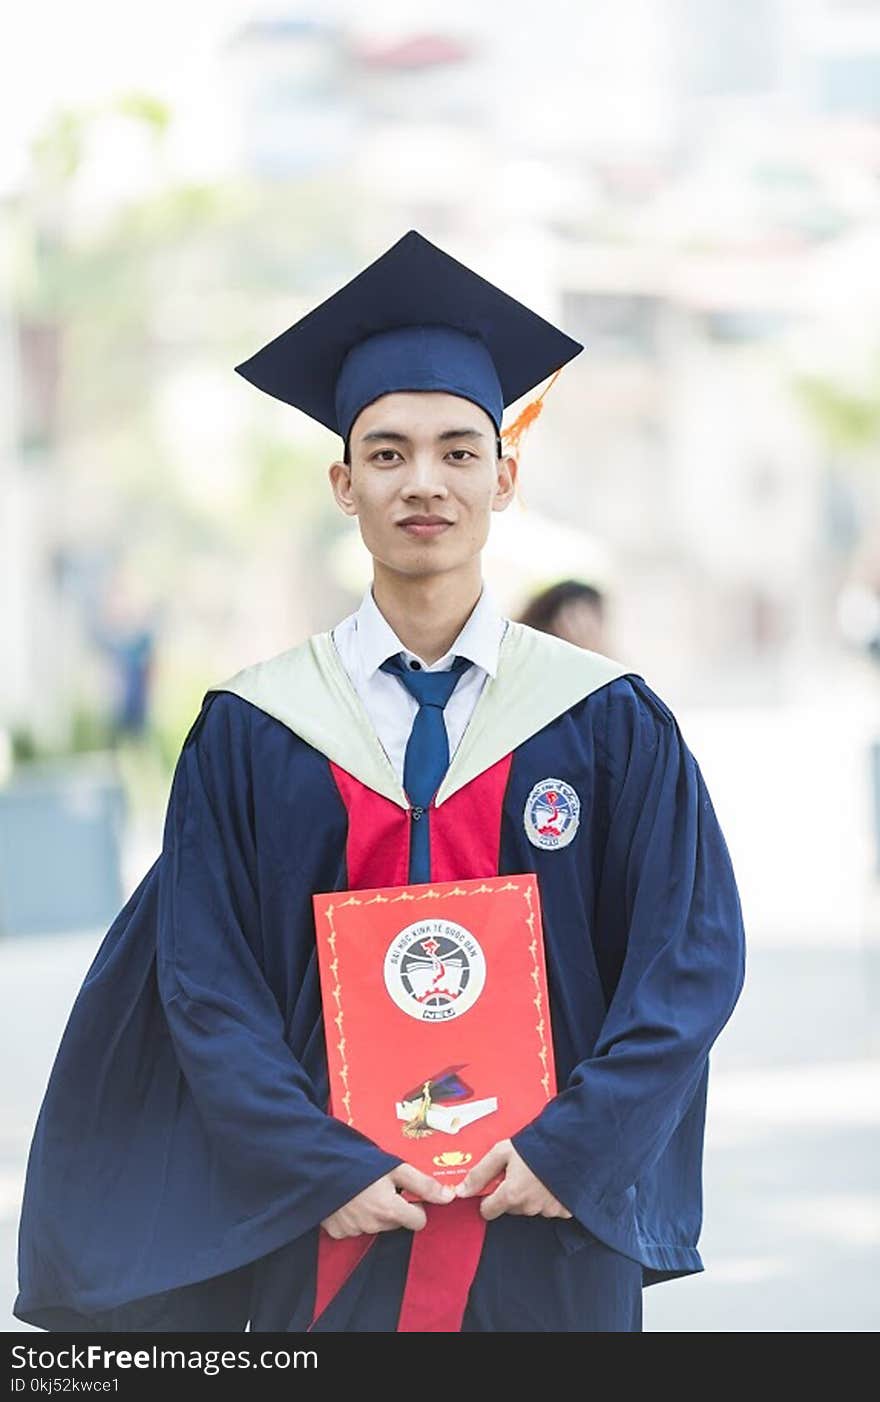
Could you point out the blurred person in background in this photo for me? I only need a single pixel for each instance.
(184, 1172)
(123, 625)
(571, 610)
(131, 654)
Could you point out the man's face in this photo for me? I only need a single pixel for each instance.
(424, 480)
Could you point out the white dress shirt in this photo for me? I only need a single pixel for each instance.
(365, 639)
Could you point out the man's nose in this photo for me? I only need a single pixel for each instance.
(425, 477)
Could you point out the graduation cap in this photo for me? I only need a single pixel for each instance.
(446, 1087)
(415, 319)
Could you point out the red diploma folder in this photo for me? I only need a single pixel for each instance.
(436, 1015)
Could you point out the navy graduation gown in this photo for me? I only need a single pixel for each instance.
(182, 1160)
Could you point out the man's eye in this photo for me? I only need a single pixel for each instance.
(460, 454)
(385, 455)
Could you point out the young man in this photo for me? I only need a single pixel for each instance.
(184, 1172)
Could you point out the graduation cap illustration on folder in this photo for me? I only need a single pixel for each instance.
(447, 1087)
(441, 1102)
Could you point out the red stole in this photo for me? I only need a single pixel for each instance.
(465, 842)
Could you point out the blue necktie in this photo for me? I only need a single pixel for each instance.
(427, 750)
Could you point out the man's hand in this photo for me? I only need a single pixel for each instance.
(380, 1207)
(521, 1193)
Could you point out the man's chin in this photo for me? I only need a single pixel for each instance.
(420, 563)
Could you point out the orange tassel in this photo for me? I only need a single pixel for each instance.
(510, 436)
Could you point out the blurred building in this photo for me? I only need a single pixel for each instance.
(292, 90)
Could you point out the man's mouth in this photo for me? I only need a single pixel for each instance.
(424, 527)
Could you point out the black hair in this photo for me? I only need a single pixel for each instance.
(541, 611)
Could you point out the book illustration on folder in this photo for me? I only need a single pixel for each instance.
(443, 1103)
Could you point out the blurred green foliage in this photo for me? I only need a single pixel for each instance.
(89, 731)
(848, 420)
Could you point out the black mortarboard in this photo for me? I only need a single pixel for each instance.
(415, 319)
(446, 1086)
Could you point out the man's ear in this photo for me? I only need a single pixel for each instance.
(505, 487)
(340, 480)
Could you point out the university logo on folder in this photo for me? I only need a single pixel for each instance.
(436, 1015)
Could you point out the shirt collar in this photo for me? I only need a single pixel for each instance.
(478, 641)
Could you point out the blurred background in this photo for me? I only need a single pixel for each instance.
(691, 188)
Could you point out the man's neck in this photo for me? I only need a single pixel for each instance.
(427, 612)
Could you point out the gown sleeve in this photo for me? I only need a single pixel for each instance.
(279, 1152)
(668, 898)
(180, 1139)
